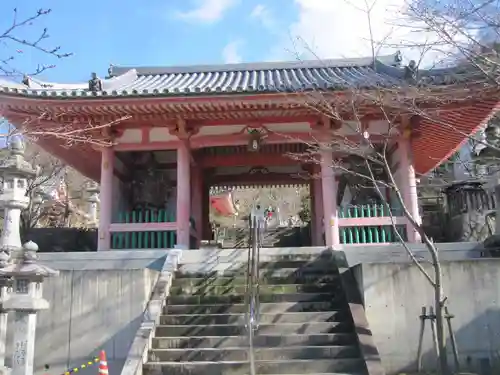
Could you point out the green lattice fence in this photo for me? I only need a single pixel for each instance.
(372, 233)
(146, 239)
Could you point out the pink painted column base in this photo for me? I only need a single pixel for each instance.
(408, 187)
(318, 211)
(106, 197)
(183, 196)
(329, 189)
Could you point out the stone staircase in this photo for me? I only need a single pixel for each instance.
(305, 324)
(237, 238)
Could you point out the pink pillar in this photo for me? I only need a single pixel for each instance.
(312, 206)
(183, 195)
(329, 190)
(318, 212)
(408, 186)
(106, 197)
(205, 201)
(196, 199)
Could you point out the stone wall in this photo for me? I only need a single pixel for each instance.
(395, 293)
(96, 303)
(98, 300)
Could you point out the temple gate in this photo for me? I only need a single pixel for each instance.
(164, 136)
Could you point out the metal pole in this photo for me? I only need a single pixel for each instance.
(251, 277)
(248, 276)
(251, 355)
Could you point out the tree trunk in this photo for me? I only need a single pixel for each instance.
(439, 302)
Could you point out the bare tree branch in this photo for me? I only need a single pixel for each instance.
(16, 44)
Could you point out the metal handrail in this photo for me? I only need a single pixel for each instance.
(252, 288)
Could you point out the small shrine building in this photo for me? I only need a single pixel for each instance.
(157, 139)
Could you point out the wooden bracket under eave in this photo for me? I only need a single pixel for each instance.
(183, 129)
(112, 133)
(184, 132)
(329, 123)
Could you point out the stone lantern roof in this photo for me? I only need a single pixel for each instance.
(93, 190)
(14, 163)
(24, 264)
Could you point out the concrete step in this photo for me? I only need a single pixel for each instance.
(314, 266)
(240, 308)
(263, 289)
(285, 317)
(260, 354)
(239, 329)
(262, 340)
(299, 264)
(240, 280)
(231, 271)
(240, 298)
(295, 366)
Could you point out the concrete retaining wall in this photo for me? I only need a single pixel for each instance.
(98, 300)
(96, 303)
(395, 293)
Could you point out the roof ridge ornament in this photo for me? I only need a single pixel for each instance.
(110, 71)
(398, 57)
(26, 80)
(95, 83)
(411, 72)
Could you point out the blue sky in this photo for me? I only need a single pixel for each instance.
(186, 32)
(173, 32)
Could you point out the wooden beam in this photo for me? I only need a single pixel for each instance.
(239, 139)
(246, 159)
(259, 179)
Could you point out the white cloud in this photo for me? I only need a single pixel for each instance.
(262, 14)
(207, 11)
(258, 11)
(231, 53)
(339, 29)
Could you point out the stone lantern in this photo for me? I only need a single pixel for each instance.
(93, 201)
(25, 301)
(15, 172)
(487, 154)
(37, 201)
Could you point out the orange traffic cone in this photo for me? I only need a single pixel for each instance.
(103, 363)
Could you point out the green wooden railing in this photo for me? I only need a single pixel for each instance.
(373, 233)
(146, 239)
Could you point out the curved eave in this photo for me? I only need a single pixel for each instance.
(82, 157)
(443, 134)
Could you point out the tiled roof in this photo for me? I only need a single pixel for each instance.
(225, 79)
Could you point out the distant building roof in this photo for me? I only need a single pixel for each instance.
(271, 77)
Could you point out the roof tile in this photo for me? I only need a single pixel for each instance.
(226, 79)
